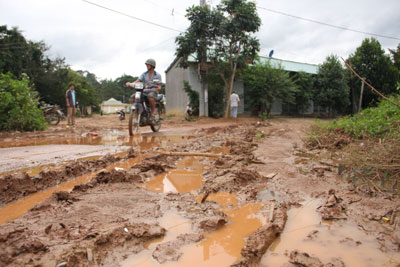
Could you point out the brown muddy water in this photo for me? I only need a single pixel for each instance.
(18, 208)
(306, 232)
(219, 248)
(113, 138)
(185, 178)
(138, 142)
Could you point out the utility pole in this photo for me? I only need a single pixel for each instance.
(203, 105)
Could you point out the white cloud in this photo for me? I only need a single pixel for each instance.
(110, 44)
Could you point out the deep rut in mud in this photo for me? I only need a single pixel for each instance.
(263, 201)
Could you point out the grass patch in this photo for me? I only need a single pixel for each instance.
(377, 122)
(368, 144)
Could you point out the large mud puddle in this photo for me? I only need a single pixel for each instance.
(339, 243)
(185, 178)
(112, 138)
(307, 233)
(219, 248)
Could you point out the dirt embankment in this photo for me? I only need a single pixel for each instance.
(108, 219)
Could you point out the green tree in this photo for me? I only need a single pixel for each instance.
(14, 51)
(396, 62)
(125, 92)
(85, 91)
(264, 84)
(305, 92)
(396, 56)
(222, 37)
(20, 56)
(370, 61)
(109, 89)
(18, 105)
(216, 95)
(331, 89)
(116, 88)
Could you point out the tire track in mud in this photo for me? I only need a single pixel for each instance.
(60, 238)
(113, 218)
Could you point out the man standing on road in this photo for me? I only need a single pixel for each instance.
(235, 101)
(71, 103)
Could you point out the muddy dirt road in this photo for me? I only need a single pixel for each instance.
(205, 193)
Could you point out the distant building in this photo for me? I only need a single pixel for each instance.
(112, 106)
(178, 99)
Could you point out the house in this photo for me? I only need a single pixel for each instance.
(177, 99)
(112, 106)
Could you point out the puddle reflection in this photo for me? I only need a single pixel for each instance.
(185, 178)
(113, 138)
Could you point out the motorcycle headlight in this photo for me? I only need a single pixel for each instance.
(137, 95)
(138, 85)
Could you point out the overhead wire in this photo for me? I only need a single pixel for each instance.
(327, 24)
(133, 17)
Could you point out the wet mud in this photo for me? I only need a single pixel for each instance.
(261, 199)
(16, 186)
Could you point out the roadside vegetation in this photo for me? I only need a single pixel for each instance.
(18, 108)
(367, 146)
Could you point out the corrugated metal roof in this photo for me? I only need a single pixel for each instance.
(291, 65)
(287, 65)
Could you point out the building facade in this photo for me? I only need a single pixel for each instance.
(177, 98)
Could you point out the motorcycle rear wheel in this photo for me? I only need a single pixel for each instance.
(157, 124)
(134, 120)
(52, 118)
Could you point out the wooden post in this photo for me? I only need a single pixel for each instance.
(361, 96)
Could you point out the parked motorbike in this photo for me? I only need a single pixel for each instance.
(140, 115)
(121, 114)
(52, 114)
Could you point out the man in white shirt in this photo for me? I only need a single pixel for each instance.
(235, 101)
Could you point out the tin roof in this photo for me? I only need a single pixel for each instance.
(287, 65)
(291, 65)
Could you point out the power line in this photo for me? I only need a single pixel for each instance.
(132, 17)
(155, 46)
(327, 24)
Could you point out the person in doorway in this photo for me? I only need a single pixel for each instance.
(148, 79)
(70, 98)
(189, 112)
(235, 102)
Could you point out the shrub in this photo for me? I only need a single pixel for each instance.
(18, 105)
(193, 97)
(375, 122)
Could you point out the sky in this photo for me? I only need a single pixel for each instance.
(110, 44)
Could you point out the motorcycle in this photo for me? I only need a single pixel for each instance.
(121, 114)
(140, 115)
(52, 114)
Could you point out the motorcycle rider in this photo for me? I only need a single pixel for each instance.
(151, 88)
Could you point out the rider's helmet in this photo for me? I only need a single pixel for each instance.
(151, 62)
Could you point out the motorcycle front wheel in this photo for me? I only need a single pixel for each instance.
(134, 120)
(155, 127)
(52, 118)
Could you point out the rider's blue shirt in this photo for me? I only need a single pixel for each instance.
(144, 78)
